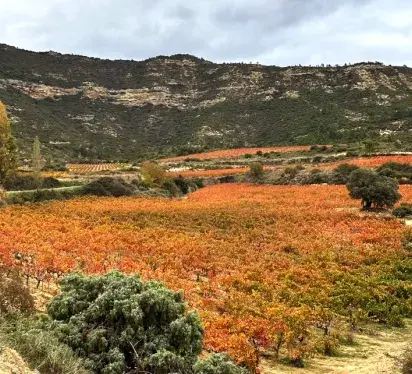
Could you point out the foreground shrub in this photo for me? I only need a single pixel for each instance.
(107, 186)
(373, 189)
(117, 322)
(14, 295)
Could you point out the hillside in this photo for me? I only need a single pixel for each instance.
(119, 110)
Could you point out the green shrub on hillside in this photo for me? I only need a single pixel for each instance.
(396, 170)
(256, 170)
(402, 211)
(107, 186)
(37, 196)
(342, 172)
(50, 182)
(17, 182)
(171, 187)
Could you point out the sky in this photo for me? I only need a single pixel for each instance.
(271, 32)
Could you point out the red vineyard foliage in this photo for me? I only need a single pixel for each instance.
(370, 162)
(259, 263)
(238, 152)
(92, 168)
(216, 172)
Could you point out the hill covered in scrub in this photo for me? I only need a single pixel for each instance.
(90, 108)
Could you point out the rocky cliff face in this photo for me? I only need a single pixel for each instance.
(118, 110)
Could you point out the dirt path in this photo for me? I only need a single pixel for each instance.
(12, 363)
(373, 354)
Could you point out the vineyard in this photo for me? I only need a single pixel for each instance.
(269, 268)
(370, 162)
(208, 173)
(93, 168)
(238, 152)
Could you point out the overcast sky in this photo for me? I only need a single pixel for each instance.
(274, 32)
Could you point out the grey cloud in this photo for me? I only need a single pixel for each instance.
(280, 32)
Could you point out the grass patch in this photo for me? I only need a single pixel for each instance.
(39, 348)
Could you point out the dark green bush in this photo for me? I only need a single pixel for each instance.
(37, 196)
(50, 182)
(402, 211)
(342, 172)
(117, 322)
(227, 179)
(198, 182)
(171, 187)
(317, 176)
(183, 184)
(107, 186)
(17, 182)
(373, 189)
(396, 170)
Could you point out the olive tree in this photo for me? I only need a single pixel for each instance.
(373, 189)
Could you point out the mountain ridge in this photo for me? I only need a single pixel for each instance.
(90, 109)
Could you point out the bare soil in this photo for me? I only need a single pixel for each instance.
(373, 353)
(12, 363)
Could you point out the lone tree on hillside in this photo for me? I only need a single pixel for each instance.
(373, 189)
(153, 173)
(8, 147)
(118, 324)
(37, 160)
